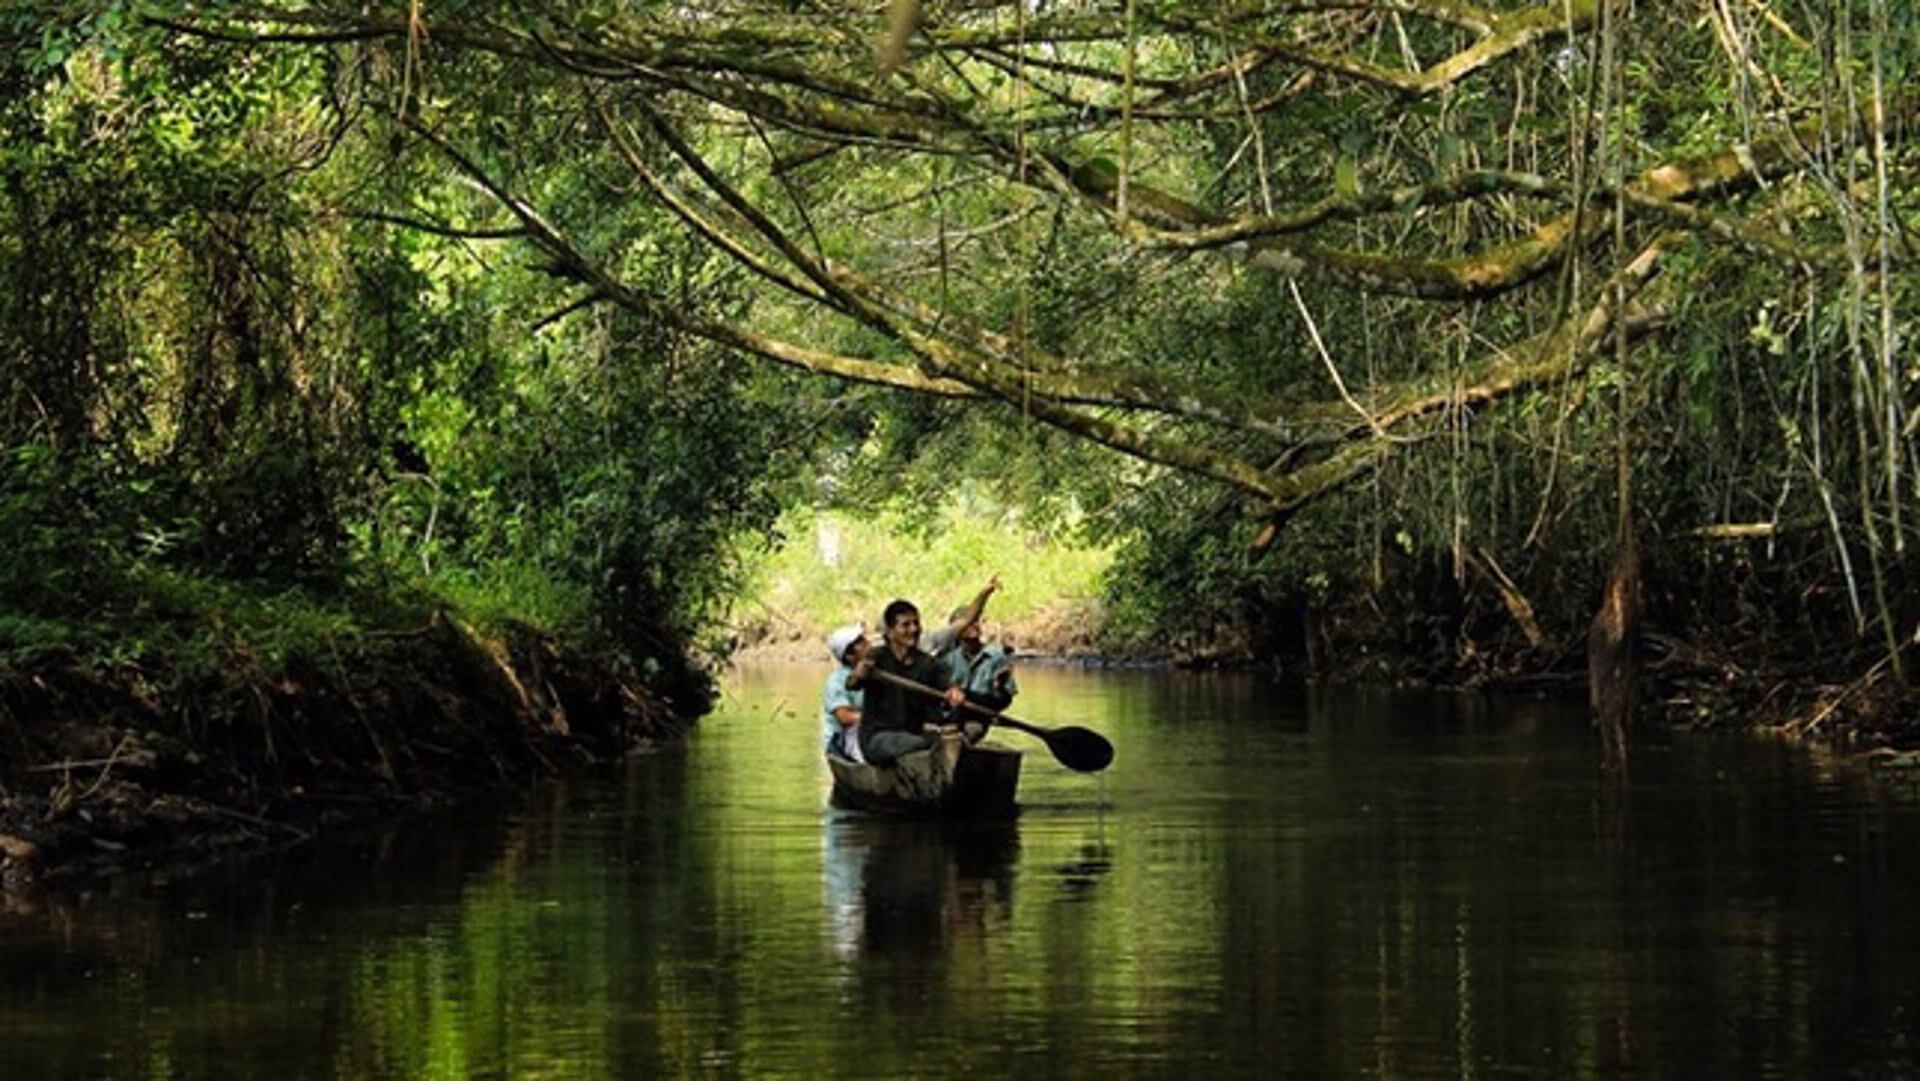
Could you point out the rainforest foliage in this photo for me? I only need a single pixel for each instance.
(1416, 313)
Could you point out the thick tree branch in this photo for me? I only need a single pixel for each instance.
(833, 108)
(950, 371)
(1505, 33)
(1659, 190)
(1552, 357)
(571, 261)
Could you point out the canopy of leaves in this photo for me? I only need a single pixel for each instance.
(1463, 275)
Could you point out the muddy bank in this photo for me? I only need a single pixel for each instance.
(101, 769)
(1693, 670)
(1070, 630)
(806, 652)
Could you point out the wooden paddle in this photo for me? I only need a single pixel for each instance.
(1080, 749)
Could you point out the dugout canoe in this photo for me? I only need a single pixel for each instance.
(952, 779)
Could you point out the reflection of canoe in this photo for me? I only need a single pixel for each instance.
(951, 779)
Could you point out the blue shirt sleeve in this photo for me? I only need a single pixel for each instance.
(835, 694)
(998, 661)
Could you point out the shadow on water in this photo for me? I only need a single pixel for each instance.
(120, 977)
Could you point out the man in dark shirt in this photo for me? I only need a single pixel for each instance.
(893, 720)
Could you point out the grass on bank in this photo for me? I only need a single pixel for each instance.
(188, 625)
(832, 568)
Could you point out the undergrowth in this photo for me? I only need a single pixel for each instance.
(833, 568)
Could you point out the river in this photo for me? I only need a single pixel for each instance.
(1265, 884)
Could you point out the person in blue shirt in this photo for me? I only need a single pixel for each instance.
(984, 672)
(840, 705)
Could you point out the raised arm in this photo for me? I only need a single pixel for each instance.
(978, 605)
(942, 639)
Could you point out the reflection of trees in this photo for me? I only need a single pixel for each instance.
(1379, 892)
(240, 960)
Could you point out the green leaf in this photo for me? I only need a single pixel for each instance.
(1346, 176)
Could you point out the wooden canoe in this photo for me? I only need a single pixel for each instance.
(954, 778)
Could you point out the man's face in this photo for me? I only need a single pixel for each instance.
(856, 652)
(970, 636)
(904, 633)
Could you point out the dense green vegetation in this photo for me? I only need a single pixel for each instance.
(835, 568)
(1365, 334)
(240, 402)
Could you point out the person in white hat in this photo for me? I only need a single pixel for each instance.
(841, 704)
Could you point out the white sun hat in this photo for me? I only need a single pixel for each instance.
(843, 639)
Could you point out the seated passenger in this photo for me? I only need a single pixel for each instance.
(984, 672)
(841, 704)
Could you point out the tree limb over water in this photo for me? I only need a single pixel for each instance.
(1114, 122)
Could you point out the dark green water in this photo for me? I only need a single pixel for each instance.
(1267, 885)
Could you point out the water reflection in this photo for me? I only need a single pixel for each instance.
(1265, 885)
(1090, 864)
(916, 887)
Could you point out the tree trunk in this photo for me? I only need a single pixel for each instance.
(1611, 657)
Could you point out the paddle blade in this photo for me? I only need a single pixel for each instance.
(1080, 749)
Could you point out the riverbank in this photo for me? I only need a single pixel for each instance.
(194, 729)
(1839, 692)
(211, 720)
(1690, 672)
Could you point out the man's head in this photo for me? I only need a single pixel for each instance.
(903, 625)
(969, 635)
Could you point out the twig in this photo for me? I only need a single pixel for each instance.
(72, 763)
(108, 768)
(243, 816)
(1873, 674)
